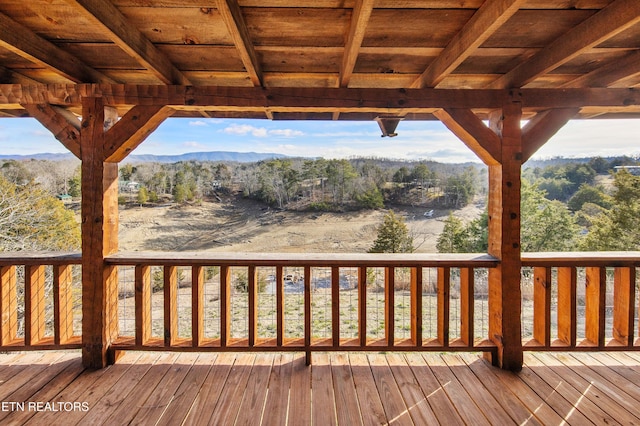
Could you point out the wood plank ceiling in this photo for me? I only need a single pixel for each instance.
(364, 44)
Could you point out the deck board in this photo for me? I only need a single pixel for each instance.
(338, 388)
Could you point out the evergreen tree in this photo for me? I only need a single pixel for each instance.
(454, 238)
(393, 236)
(619, 228)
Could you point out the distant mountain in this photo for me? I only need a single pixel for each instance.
(43, 156)
(240, 157)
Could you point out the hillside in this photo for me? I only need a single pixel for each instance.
(237, 224)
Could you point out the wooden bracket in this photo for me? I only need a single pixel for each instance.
(64, 125)
(542, 127)
(132, 129)
(483, 141)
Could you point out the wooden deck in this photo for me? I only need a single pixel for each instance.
(339, 388)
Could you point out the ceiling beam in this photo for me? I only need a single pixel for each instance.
(359, 19)
(317, 99)
(232, 16)
(542, 127)
(110, 20)
(608, 74)
(15, 77)
(479, 138)
(23, 42)
(610, 21)
(63, 124)
(489, 17)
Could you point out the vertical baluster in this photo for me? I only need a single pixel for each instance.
(624, 296)
(279, 306)
(62, 303)
(542, 306)
(362, 305)
(170, 305)
(253, 305)
(444, 284)
(34, 280)
(466, 305)
(197, 306)
(335, 306)
(143, 304)
(567, 327)
(389, 304)
(307, 314)
(595, 305)
(416, 306)
(8, 305)
(225, 305)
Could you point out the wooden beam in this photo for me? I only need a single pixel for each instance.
(110, 20)
(610, 21)
(20, 40)
(542, 127)
(488, 18)
(504, 241)
(614, 71)
(132, 129)
(483, 141)
(359, 18)
(13, 76)
(295, 99)
(99, 238)
(62, 123)
(232, 16)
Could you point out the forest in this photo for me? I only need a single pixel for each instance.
(567, 205)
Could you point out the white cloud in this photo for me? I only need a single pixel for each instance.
(287, 133)
(260, 132)
(245, 129)
(198, 123)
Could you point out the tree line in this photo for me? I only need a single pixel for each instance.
(565, 208)
(308, 184)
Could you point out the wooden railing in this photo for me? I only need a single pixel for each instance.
(327, 297)
(320, 302)
(40, 301)
(581, 301)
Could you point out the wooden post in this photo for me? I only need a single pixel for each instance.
(542, 306)
(99, 237)
(8, 305)
(504, 241)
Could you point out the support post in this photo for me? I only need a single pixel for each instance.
(504, 241)
(99, 236)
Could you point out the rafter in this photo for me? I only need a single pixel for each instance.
(132, 129)
(610, 21)
(483, 23)
(359, 19)
(22, 41)
(483, 141)
(232, 17)
(15, 77)
(542, 127)
(109, 18)
(610, 73)
(63, 124)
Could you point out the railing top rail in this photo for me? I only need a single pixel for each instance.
(40, 258)
(587, 258)
(471, 260)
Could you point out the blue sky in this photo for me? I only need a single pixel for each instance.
(330, 139)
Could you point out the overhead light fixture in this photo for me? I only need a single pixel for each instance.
(388, 125)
